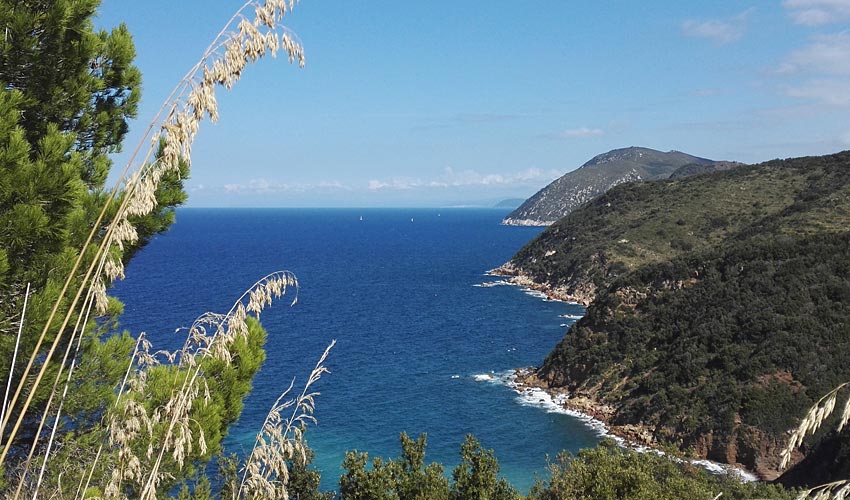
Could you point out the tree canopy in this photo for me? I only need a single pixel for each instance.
(68, 92)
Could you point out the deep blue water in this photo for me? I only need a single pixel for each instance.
(396, 290)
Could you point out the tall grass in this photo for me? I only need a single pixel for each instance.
(815, 418)
(170, 434)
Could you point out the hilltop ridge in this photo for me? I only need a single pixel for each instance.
(596, 176)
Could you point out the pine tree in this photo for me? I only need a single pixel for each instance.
(68, 92)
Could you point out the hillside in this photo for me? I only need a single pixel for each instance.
(703, 168)
(719, 305)
(598, 175)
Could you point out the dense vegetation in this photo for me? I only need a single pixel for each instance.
(607, 472)
(641, 223)
(67, 93)
(721, 302)
(92, 413)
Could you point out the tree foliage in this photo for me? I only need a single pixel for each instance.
(721, 344)
(609, 472)
(68, 91)
(408, 478)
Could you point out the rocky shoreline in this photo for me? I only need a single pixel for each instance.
(598, 416)
(516, 277)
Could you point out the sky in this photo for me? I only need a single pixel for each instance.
(467, 102)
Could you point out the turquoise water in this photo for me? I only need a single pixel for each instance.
(398, 291)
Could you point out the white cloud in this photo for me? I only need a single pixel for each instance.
(817, 12)
(264, 186)
(375, 185)
(826, 54)
(451, 178)
(582, 132)
(819, 71)
(719, 31)
(830, 92)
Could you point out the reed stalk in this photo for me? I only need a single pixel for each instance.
(244, 39)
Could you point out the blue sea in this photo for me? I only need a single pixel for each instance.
(421, 347)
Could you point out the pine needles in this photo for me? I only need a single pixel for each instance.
(153, 426)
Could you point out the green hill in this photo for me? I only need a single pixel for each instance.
(719, 305)
(598, 175)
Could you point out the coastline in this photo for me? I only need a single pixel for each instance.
(515, 277)
(592, 413)
(597, 416)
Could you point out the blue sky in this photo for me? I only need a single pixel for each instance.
(466, 102)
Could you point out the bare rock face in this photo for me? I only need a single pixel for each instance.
(578, 292)
(597, 176)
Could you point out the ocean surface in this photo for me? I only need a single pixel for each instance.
(421, 347)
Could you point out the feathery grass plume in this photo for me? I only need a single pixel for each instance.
(280, 440)
(838, 490)
(193, 100)
(241, 41)
(814, 419)
(142, 437)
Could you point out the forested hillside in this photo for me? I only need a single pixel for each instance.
(719, 304)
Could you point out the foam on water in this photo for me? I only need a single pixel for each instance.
(571, 316)
(488, 284)
(536, 293)
(539, 398)
(484, 377)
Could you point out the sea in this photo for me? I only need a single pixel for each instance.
(426, 341)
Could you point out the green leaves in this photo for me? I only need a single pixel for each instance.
(408, 478)
(476, 478)
(609, 472)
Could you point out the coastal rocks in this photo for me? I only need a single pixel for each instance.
(580, 293)
(708, 452)
(745, 447)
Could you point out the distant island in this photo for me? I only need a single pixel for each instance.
(600, 174)
(718, 309)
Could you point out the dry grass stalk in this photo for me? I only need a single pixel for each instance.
(280, 440)
(192, 101)
(838, 490)
(814, 419)
(210, 335)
